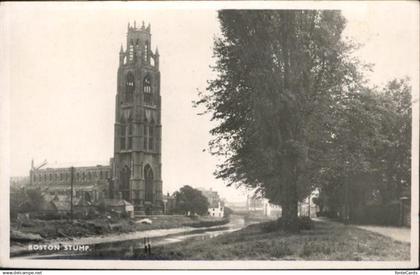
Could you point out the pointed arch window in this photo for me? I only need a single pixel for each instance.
(147, 90)
(130, 136)
(148, 140)
(129, 88)
(146, 52)
(125, 182)
(148, 178)
(122, 136)
(125, 134)
(145, 135)
(131, 51)
(151, 134)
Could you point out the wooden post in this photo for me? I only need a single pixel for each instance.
(71, 191)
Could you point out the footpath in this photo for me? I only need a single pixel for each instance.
(402, 234)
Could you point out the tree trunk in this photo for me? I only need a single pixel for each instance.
(290, 213)
(290, 202)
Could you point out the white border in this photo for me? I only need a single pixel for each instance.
(111, 264)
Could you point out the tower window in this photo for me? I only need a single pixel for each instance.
(151, 137)
(148, 137)
(146, 52)
(129, 88)
(122, 137)
(147, 89)
(130, 137)
(145, 137)
(131, 52)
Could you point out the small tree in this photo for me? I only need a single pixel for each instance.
(25, 200)
(188, 199)
(17, 198)
(35, 199)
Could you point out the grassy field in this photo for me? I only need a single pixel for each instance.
(328, 241)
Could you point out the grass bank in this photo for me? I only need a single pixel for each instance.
(54, 229)
(327, 241)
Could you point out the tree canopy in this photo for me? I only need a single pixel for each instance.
(191, 200)
(279, 75)
(369, 152)
(293, 112)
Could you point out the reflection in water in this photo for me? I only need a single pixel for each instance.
(132, 249)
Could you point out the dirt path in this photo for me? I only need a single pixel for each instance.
(401, 234)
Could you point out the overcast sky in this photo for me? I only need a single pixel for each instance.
(63, 61)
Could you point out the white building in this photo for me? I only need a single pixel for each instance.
(217, 210)
(216, 204)
(307, 207)
(263, 207)
(271, 210)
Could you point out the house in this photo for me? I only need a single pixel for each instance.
(119, 206)
(217, 210)
(262, 207)
(169, 203)
(271, 210)
(307, 207)
(216, 204)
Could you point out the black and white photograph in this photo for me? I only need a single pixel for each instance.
(209, 135)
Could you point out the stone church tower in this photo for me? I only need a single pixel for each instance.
(137, 133)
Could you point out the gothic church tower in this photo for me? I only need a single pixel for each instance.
(137, 131)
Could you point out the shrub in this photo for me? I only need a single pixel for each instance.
(305, 223)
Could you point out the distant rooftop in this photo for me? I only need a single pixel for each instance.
(76, 164)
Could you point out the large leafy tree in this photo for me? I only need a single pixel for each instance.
(394, 147)
(191, 200)
(369, 150)
(279, 74)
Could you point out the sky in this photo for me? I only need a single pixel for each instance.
(62, 61)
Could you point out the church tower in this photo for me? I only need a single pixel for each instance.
(137, 132)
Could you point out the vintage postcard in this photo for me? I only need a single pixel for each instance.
(209, 135)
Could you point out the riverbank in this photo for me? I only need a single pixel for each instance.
(99, 229)
(327, 241)
(123, 241)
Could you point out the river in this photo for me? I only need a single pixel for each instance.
(128, 245)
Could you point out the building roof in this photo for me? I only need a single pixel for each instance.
(215, 204)
(79, 164)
